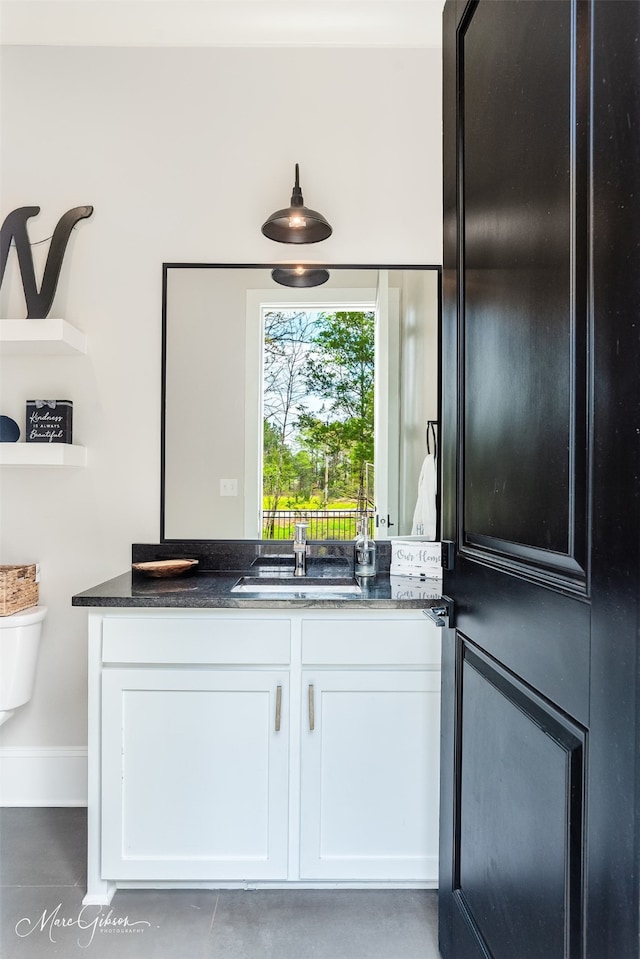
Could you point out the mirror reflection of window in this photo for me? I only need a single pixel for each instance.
(212, 404)
(318, 429)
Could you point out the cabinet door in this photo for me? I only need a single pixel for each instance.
(370, 752)
(195, 774)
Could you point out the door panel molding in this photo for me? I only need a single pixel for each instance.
(539, 758)
(556, 570)
(510, 274)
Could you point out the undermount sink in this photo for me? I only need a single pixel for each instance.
(300, 586)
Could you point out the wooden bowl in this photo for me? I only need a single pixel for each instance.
(165, 567)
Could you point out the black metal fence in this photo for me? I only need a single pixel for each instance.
(323, 523)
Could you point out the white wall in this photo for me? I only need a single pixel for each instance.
(418, 382)
(205, 407)
(183, 153)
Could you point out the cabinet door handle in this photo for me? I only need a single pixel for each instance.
(311, 709)
(278, 707)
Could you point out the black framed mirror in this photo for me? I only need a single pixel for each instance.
(212, 419)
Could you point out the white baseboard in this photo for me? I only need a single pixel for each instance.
(55, 776)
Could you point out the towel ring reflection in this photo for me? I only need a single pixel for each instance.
(432, 437)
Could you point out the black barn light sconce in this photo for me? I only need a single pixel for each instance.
(299, 276)
(297, 223)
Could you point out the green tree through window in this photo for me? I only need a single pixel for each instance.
(318, 411)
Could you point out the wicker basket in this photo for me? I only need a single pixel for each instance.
(18, 588)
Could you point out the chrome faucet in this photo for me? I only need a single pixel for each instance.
(300, 550)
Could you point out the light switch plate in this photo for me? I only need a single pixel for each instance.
(228, 487)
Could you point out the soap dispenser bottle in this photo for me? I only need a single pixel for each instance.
(365, 550)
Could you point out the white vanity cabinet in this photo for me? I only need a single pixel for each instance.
(370, 756)
(204, 769)
(195, 752)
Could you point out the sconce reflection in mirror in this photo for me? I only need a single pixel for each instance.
(299, 276)
(297, 223)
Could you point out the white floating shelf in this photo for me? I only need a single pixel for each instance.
(50, 336)
(42, 454)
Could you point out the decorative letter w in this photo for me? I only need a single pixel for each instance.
(15, 227)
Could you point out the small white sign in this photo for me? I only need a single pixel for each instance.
(412, 557)
(406, 587)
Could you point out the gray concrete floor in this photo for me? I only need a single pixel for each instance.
(42, 882)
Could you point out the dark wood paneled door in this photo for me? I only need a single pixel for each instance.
(540, 489)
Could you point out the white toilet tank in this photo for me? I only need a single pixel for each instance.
(19, 642)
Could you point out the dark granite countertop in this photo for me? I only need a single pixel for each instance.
(198, 590)
(209, 584)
